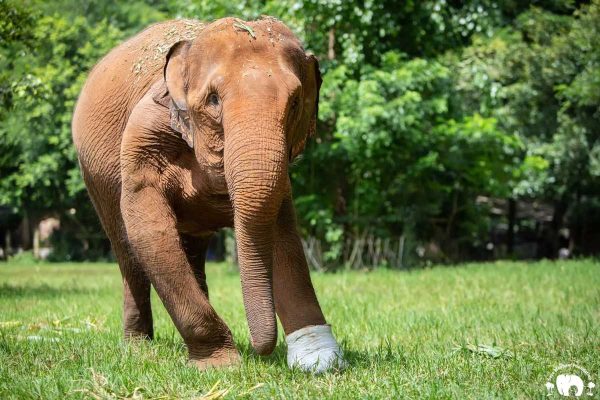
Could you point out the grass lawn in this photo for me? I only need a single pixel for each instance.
(405, 334)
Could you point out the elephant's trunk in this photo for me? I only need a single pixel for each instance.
(255, 162)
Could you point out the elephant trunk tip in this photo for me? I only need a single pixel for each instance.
(265, 344)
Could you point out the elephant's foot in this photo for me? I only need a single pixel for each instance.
(314, 349)
(138, 331)
(133, 336)
(221, 358)
(137, 325)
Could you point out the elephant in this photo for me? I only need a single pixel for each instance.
(190, 127)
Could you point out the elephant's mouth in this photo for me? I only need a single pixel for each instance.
(221, 190)
(217, 182)
(222, 198)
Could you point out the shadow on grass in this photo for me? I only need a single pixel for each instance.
(8, 291)
(361, 359)
(354, 358)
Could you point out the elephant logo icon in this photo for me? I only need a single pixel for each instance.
(567, 381)
(564, 383)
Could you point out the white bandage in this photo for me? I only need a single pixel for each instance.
(314, 349)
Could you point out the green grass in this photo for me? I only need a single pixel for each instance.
(405, 334)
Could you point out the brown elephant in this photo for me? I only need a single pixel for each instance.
(187, 128)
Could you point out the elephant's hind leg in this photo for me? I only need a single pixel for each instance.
(137, 311)
(195, 250)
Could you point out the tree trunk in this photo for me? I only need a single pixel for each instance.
(25, 232)
(510, 234)
(560, 209)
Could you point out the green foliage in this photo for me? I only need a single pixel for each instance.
(540, 78)
(39, 163)
(407, 163)
(15, 24)
(24, 258)
(424, 107)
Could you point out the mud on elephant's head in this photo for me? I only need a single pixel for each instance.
(244, 96)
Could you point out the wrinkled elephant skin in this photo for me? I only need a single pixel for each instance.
(187, 128)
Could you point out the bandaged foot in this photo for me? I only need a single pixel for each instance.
(314, 349)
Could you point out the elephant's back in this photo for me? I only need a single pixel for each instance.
(117, 83)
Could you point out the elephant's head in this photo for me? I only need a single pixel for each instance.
(244, 97)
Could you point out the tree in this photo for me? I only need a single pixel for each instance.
(424, 107)
(46, 65)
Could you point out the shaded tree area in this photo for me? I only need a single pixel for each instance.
(443, 125)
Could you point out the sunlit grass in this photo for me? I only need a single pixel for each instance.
(406, 334)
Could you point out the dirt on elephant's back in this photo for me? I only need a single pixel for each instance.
(121, 78)
(153, 53)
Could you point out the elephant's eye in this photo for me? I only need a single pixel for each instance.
(213, 99)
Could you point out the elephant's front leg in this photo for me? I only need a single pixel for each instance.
(311, 345)
(152, 232)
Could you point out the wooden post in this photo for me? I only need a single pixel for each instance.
(36, 242)
(7, 244)
(331, 46)
(401, 251)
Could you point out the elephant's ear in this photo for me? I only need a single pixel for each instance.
(176, 79)
(308, 124)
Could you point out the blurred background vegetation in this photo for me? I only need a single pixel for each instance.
(448, 130)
